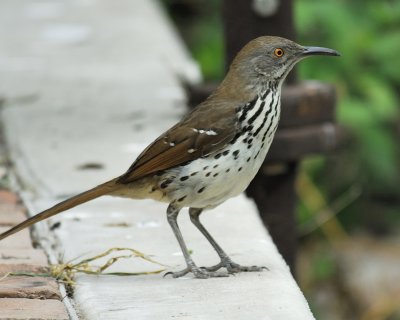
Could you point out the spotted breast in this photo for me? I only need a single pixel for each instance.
(210, 180)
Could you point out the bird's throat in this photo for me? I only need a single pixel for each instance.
(259, 118)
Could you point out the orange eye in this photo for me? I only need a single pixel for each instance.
(279, 52)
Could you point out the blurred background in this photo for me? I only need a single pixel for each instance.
(348, 213)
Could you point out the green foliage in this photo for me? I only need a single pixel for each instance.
(322, 265)
(208, 49)
(201, 28)
(367, 77)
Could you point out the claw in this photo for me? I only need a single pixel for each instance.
(175, 274)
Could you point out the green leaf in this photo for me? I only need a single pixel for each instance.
(378, 155)
(380, 96)
(354, 113)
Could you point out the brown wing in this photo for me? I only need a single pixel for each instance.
(203, 131)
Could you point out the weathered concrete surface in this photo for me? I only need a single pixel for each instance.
(272, 293)
(89, 85)
(82, 81)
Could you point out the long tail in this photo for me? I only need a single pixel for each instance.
(83, 197)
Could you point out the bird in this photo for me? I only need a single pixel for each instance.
(213, 152)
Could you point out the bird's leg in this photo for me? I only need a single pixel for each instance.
(172, 215)
(226, 262)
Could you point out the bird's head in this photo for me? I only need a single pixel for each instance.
(270, 59)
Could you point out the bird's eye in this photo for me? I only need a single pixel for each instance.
(279, 52)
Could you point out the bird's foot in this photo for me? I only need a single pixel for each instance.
(199, 273)
(233, 267)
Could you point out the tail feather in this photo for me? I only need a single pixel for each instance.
(83, 197)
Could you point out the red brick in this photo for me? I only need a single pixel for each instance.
(22, 309)
(8, 197)
(15, 256)
(29, 287)
(20, 240)
(22, 260)
(11, 215)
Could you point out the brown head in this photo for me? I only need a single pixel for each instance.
(265, 60)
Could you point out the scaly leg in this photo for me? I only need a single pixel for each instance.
(226, 262)
(172, 215)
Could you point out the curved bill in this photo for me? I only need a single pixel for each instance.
(313, 51)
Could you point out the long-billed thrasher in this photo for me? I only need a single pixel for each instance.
(214, 152)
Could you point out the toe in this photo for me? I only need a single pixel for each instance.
(199, 273)
(213, 268)
(236, 268)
